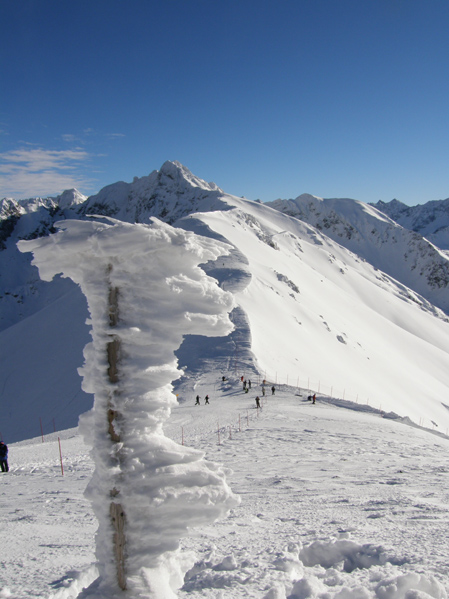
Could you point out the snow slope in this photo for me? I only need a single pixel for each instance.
(376, 238)
(335, 503)
(319, 314)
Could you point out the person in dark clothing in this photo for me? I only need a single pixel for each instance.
(197, 403)
(4, 457)
(257, 402)
(273, 389)
(314, 398)
(207, 399)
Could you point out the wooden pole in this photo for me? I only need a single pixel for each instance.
(60, 456)
(116, 511)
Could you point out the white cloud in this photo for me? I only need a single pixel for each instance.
(69, 137)
(38, 172)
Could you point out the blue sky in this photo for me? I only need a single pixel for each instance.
(338, 98)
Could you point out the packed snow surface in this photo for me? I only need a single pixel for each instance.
(335, 503)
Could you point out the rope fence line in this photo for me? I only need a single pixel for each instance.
(222, 430)
(298, 386)
(334, 397)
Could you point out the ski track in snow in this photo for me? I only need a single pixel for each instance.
(334, 503)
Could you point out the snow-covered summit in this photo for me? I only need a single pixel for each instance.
(354, 211)
(181, 174)
(70, 198)
(169, 194)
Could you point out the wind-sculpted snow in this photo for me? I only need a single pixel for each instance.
(161, 295)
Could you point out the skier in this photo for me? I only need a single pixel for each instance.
(249, 384)
(257, 402)
(4, 457)
(313, 398)
(263, 390)
(197, 403)
(244, 385)
(207, 399)
(273, 390)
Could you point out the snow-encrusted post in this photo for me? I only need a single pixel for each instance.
(115, 508)
(145, 291)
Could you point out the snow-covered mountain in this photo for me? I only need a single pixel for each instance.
(168, 194)
(364, 323)
(431, 220)
(399, 252)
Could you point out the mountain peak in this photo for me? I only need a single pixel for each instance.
(169, 193)
(308, 196)
(179, 174)
(70, 198)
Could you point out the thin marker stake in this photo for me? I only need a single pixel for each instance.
(60, 456)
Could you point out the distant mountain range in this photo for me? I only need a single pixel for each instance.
(345, 298)
(431, 220)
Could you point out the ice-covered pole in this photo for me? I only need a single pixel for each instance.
(145, 291)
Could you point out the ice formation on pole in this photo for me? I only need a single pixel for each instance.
(145, 291)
